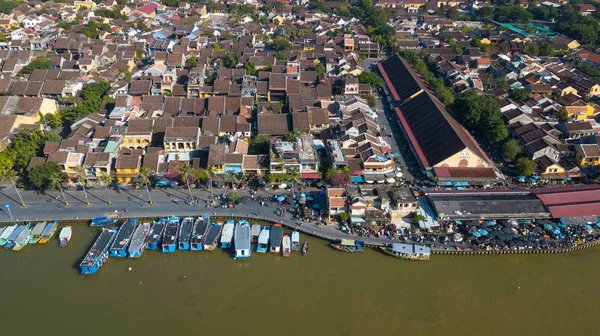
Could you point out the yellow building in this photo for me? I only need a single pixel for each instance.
(576, 112)
(127, 167)
(68, 161)
(278, 19)
(84, 4)
(138, 134)
(587, 154)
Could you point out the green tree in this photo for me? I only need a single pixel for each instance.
(280, 43)
(319, 68)
(501, 83)
(263, 20)
(292, 135)
(525, 166)
(186, 172)
(83, 179)
(227, 61)
(11, 176)
(6, 7)
(201, 175)
(41, 176)
(250, 67)
(38, 63)
(191, 62)
(344, 216)
(145, 176)
(27, 144)
(520, 94)
(280, 56)
(57, 178)
(546, 49)
(233, 197)
(370, 78)
(259, 145)
(371, 100)
(106, 179)
(532, 48)
(293, 176)
(511, 149)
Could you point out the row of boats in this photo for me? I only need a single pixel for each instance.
(17, 236)
(189, 233)
(398, 250)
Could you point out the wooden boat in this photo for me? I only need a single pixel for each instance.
(305, 248)
(286, 249)
(349, 245)
(295, 241)
(212, 236)
(138, 241)
(263, 240)
(10, 241)
(36, 233)
(64, 236)
(48, 232)
(104, 221)
(185, 233)
(153, 239)
(227, 235)
(275, 238)
(407, 251)
(242, 240)
(255, 232)
(170, 237)
(98, 254)
(118, 248)
(22, 239)
(6, 233)
(200, 229)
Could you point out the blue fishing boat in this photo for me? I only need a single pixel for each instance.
(10, 241)
(48, 232)
(98, 254)
(119, 246)
(211, 239)
(138, 241)
(263, 240)
(153, 239)
(242, 239)
(22, 239)
(170, 237)
(185, 233)
(200, 230)
(36, 233)
(104, 221)
(227, 236)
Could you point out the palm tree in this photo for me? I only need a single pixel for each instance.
(106, 179)
(145, 175)
(56, 181)
(10, 175)
(82, 176)
(209, 170)
(186, 171)
(330, 174)
(232, 177)
(293, 176)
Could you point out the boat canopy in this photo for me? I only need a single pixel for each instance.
(349, 242)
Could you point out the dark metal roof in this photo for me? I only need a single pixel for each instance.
(401, 77)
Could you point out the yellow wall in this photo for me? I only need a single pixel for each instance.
(472, 159)
(568, 90)
(136, 141)
(84, 4)
(595, 91)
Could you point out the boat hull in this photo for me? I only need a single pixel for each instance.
(183, 246)
(35, 240)
(9, 245)
(118, 254)
(350, 249)
(2, 242)
(19, 247)
(197, 247)
(63, 243)
(225, 245)
(168, 248)
(387, 251)
(262, 249)
(136, 254)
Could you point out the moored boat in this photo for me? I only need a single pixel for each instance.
(170, 236)
(6, 233)
(242, 239)
(154, 237)
(138, 241)
(295, 241)
(185, 233)
(286, 249)
(36, 233)
(255, 232)
(98, 254)
(48, 232)
(211, 239)
(407, 251)
(10, 241)
(22, 239)
(227, 235)
(275, 238)
(349, 245)
(64, 237)
(201, 227)
(119, 246)
(263, 240)
(104, 221)
(305, 248)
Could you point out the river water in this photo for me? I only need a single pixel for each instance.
(324, 293)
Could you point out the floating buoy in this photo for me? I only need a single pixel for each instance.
(129, 269)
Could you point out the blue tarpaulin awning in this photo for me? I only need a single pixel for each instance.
(280, 198)
(358, 179)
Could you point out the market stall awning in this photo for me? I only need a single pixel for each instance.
(311, 176)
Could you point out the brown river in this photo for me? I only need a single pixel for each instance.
(324, 293)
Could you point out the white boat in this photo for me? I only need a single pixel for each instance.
(295, 241)
(263, 240)
(286, 249)
(6, 233)
(22, 239)
(36, 233)
(241, 240)
(227, 235)
(255, 230)
(65, 235)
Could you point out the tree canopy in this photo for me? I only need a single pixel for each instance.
(481, 113)
(38, 63)
(525, 166)
(370, 78)
(41, 177)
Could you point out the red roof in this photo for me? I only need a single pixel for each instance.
(388, 82)
(148, 8)
(411, 136)
(311, 175)
(465, 172)
(571, 201)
